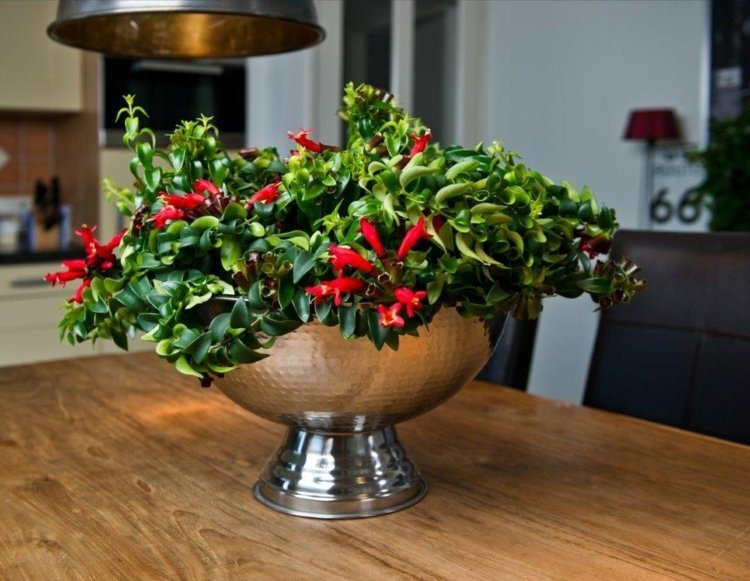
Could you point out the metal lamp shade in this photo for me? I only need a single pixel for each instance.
(187, 29)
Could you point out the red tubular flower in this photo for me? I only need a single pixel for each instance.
(370, 234)
(335, 288)
(202, 186)
(341, 257)
(99, 255)
(420, 143)
(414, 235)
(99, 258)
(185, 202)
(166, 214)
(76, 270)
(264, 195)
(410, 299)
(389, 316)
(78, 296)
(301, 138)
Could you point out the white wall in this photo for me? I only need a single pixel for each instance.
(298, 90)
(561, 78)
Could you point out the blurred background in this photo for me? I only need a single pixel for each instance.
(557, 81)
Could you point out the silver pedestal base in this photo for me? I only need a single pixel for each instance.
(333, 475)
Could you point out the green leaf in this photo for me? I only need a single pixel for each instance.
(204, 223)
(153, 178)
(276, 324)
(257, 229)
(286, 293)
(234, 211)
(435, 289)
(145, 153)
(183, 366)
(186, 337)
(348, 320)
(323, 310)
(177, 158)
(199, 348)
(302, 264)
(377, 334)
(219, 325)
(131, 126)
(301, 303)
(241, 353)
(255, 295)
(596, 285)
(240, 318)
(231, 252)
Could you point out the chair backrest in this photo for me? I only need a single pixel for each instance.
(679, 354)
(511, 361)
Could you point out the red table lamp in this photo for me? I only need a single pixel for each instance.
(650, 125)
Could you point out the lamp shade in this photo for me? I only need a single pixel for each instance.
(652, 125)
(187, 29)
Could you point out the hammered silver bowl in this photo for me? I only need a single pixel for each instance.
(340, 399)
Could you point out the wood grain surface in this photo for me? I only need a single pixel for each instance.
(119, 468)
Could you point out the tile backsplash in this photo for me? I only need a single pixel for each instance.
(30, 145)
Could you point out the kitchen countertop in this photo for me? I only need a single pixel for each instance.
(40, 257)
(118, 467)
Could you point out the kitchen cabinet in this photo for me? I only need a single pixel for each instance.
(38, 74)
(29, 312)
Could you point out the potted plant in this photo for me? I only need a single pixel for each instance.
(726, 187)
(337, 291)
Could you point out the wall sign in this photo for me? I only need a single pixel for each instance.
(674, 199)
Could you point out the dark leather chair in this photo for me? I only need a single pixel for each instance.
(679, 353)
(511, 361)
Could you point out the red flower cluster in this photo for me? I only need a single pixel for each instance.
(177, 206)
(100, 258)
(407, 299)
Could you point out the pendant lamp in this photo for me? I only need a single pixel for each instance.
(187, 29)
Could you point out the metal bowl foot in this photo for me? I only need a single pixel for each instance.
(331, 475)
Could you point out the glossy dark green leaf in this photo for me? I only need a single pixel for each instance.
(177, 158)
(240, 318)
(301, 303)
(145, 153)
(241, 353)
(276, 324)
(377, 333)
(286, 293)
(348, 320)
(199, 347)
(302, 264)
(255, 295)
(219, 325)
(153, 178)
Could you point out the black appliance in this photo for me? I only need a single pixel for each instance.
(172, 91)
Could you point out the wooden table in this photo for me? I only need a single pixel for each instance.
(118, 467)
